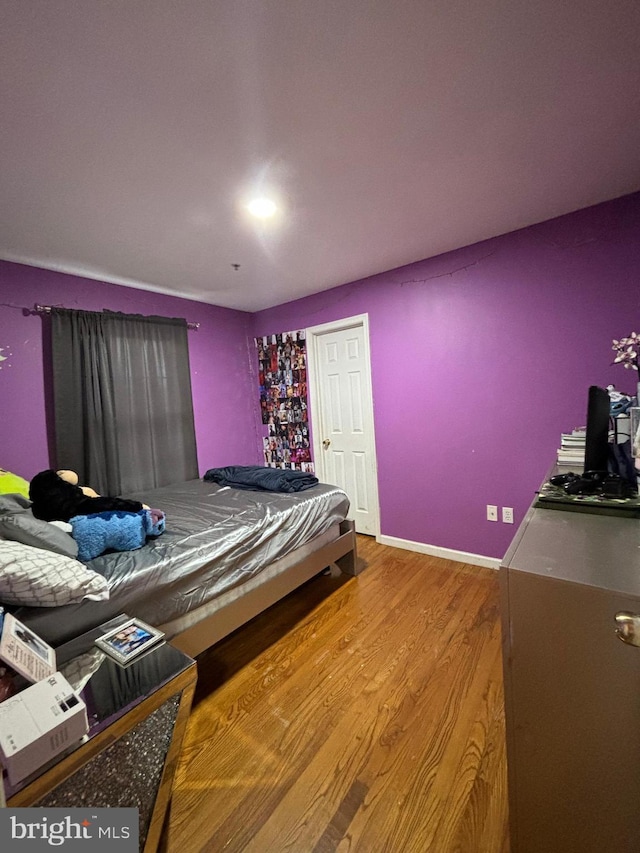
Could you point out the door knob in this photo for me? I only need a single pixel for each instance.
(326, 442)
(628, 627)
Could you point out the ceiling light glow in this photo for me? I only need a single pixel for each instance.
(262, 208)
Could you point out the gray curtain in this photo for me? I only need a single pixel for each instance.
(122, 401)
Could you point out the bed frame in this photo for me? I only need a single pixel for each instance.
(340, 552)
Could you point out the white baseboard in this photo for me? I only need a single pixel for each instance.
(445, 553)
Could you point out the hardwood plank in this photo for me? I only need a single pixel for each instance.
(358, 714)
(484, 813)
(411, 808)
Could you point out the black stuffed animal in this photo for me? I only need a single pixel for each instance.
(54, 499)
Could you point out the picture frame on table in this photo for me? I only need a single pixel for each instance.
(129, 641)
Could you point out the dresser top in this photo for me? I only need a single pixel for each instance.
(587, 548)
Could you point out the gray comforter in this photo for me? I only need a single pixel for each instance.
(215, 539)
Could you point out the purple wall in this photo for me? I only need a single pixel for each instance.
(224, 390)
(480, 358)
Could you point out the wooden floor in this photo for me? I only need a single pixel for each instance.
(362, 714)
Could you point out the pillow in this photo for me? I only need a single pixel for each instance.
(13, 503)
(38, 578)
(26, 528)
(13, 483)
(114, 531)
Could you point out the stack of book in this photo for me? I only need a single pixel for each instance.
(572, 448)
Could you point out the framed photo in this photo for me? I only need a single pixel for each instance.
(129, 640)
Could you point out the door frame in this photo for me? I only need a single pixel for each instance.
(313, 334)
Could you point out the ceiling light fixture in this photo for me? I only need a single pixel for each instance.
(262, 208)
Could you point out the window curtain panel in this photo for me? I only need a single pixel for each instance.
(123, 410)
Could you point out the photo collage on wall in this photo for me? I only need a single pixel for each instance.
(283, 400)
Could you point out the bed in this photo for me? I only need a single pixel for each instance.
(226, 555)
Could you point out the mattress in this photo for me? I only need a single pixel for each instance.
(216, 539)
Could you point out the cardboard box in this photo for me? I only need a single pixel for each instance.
(38, 724)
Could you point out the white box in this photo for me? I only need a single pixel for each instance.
(38, 724)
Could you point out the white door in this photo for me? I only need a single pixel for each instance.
(342, 417)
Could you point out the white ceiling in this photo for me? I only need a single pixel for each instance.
(131, 133)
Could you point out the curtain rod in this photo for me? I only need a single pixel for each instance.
(46, 309)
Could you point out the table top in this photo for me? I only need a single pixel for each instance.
(587, 548)
(108, 689)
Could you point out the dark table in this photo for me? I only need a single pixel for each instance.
(137, 718)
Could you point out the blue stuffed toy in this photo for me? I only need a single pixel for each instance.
(115, 531)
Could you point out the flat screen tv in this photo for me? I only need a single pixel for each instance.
(597, 437)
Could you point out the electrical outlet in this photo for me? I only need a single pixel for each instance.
(492, 512)
(507, 514)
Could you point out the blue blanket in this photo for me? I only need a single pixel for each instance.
(261, 479)
(114, 531)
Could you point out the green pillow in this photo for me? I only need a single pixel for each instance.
(12, 484)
